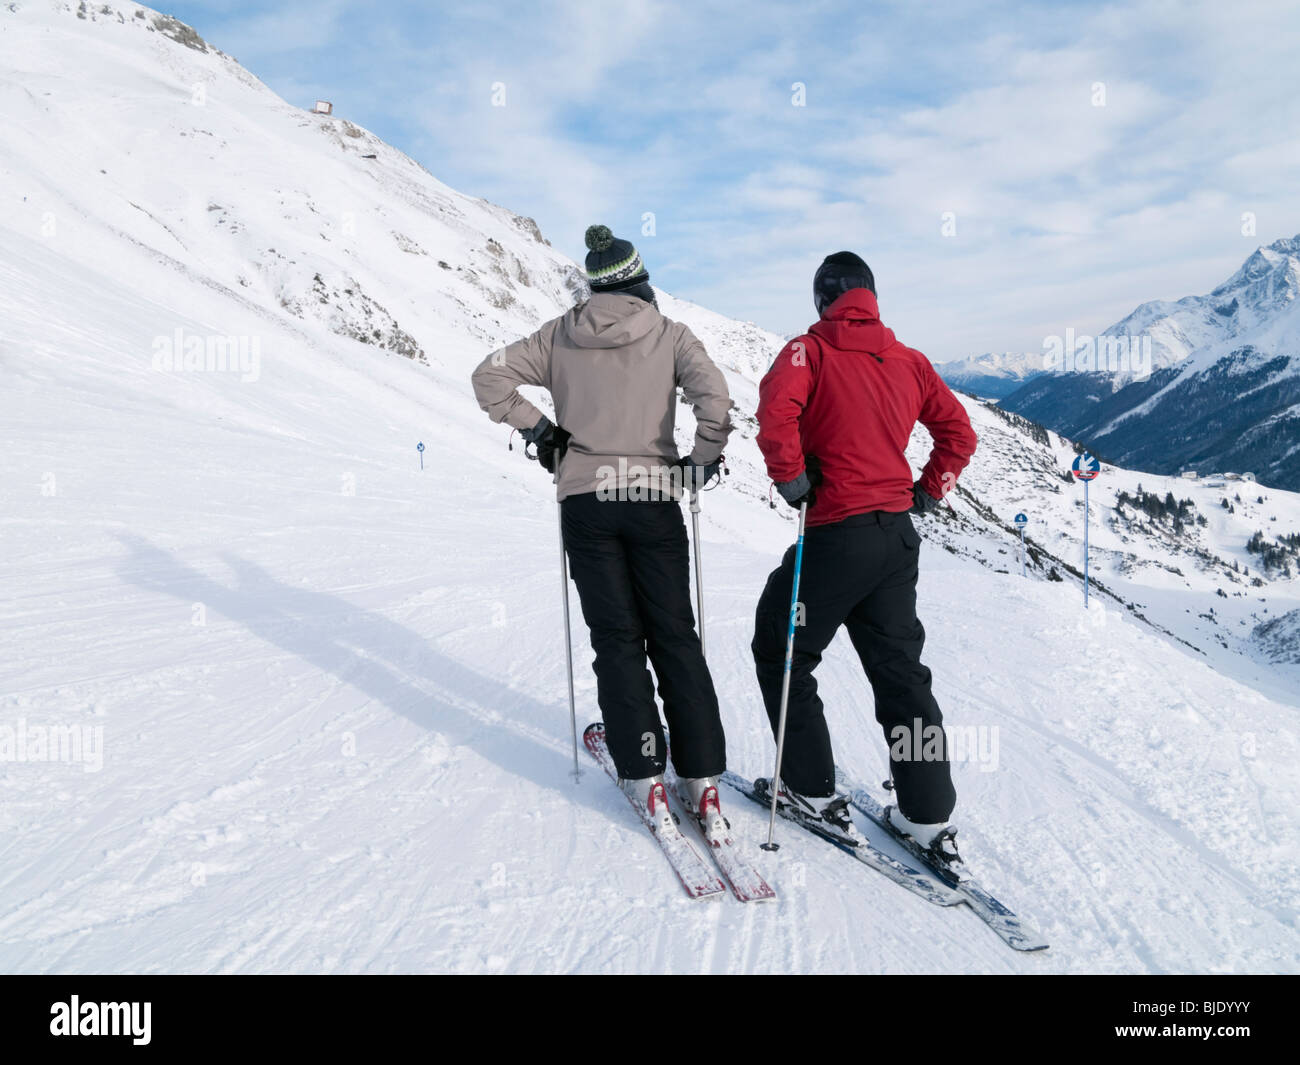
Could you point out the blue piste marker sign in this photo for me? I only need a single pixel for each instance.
(1085, 468)
(1022, 519)
(420, 448)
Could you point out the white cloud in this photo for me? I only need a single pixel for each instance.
(1066, 213)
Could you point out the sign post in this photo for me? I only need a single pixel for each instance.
(420, 448)
(1022, 519)
(1085, 468)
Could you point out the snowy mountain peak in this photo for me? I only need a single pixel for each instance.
(1266, 282)
(1225, 390)
(1264, 286)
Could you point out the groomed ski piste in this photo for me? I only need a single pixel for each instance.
(321, 692)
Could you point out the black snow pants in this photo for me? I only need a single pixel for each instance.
(631, 563)
(860, 573)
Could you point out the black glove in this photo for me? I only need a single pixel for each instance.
(550, 440)
(696, 476)
(922, 501)
(803, 489)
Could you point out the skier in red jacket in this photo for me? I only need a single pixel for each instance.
(835, 413)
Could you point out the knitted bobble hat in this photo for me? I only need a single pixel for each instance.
(612, 264)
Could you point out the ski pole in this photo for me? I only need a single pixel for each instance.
(785, 679)
(699, 563)
(568, 643)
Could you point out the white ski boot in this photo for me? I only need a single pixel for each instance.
(700, 796)
(939, 841)
(653, 796)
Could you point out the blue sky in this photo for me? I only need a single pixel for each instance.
(1067, 212)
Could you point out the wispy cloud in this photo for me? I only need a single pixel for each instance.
(1067, 210)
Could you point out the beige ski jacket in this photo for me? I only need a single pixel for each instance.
(612, 366)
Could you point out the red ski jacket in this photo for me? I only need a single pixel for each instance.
(850, 394)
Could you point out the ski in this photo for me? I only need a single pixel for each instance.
(918, 881)
(747, 883)
(697, 875)
(1013, 931)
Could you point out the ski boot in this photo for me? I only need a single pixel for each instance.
(938, 842)
(700, 796)
(650, 792)
(832, 811)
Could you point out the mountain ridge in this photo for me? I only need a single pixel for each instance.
(1224, 391)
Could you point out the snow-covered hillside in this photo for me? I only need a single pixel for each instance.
(317, 693)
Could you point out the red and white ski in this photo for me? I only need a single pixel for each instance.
(747, 883)
(697, 876)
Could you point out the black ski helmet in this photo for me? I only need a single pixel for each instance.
(837, 274)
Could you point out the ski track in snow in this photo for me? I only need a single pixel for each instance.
(415, 623)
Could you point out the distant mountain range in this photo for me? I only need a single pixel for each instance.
(1223, 388)
(992, 375)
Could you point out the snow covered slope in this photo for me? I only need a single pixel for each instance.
(311, 696)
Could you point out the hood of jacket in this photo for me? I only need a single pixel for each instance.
(611, 320)
(852, 323)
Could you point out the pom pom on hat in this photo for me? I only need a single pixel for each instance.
(599, 237)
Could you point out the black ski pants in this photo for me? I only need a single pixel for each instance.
(631, 563)
(860, 573)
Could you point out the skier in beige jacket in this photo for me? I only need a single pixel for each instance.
(613, 365)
